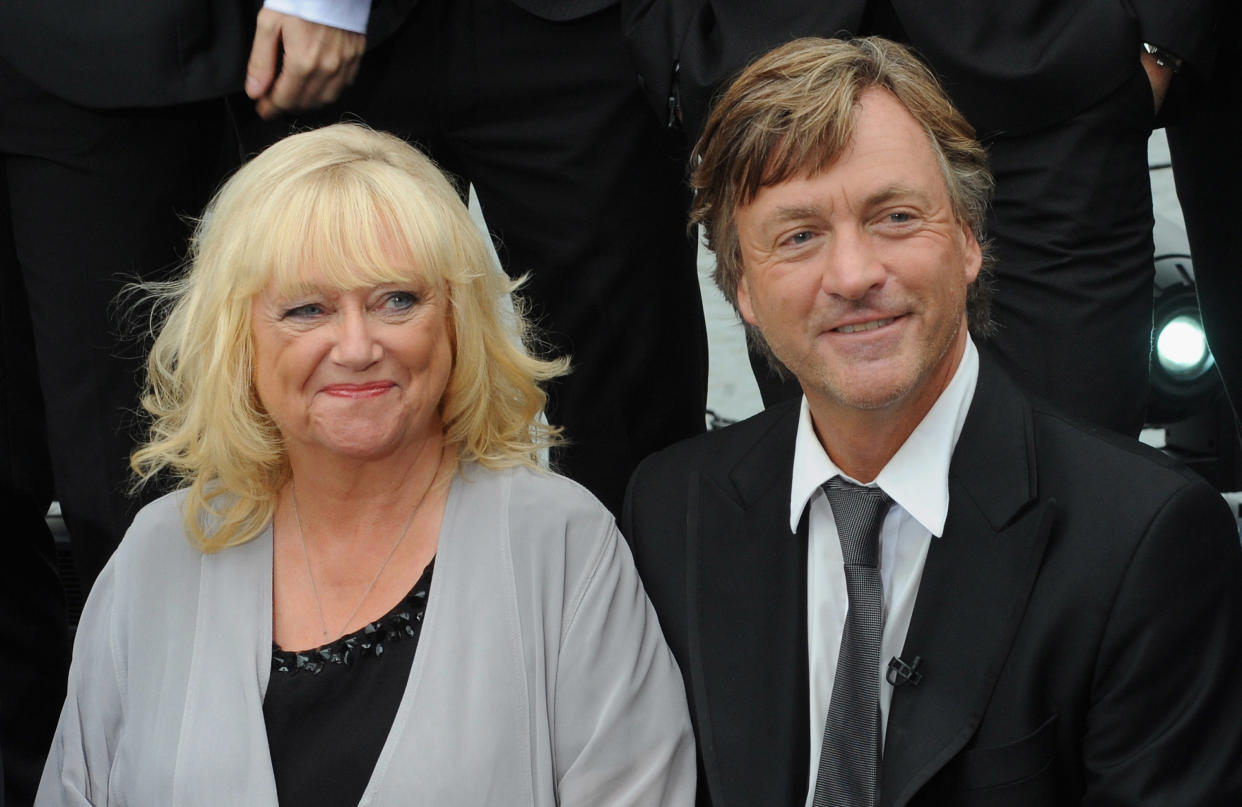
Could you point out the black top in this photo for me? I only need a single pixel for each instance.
(329, 710)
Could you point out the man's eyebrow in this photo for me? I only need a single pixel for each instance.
(786, 213)
(896, 191)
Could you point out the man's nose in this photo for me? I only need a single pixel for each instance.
(356, 344)
(852, 266)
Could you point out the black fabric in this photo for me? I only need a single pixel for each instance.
(1014, 67)
(34, 649)
(328, 710)
(135, 53)
(1071, 226)
(95, 200)
(1206, 166)
(89, 201)
(583, 191)
(562, 10)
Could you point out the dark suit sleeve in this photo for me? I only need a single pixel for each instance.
(140, 53)
(1184, 27)
(653, 520)
(683, 51)
(645, 516)
(689, 49)
(1163, 727)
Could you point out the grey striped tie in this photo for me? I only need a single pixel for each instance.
(849, 762)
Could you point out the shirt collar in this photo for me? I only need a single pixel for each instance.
(917, 476)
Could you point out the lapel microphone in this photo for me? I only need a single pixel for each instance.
(901, 672)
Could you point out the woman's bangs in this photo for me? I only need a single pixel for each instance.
(345, 241)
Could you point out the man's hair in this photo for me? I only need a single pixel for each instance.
(348, 207)
(793, 111)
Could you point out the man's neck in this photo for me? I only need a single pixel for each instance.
(862, 441)
(859, 443)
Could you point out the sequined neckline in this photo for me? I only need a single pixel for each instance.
(401, 623)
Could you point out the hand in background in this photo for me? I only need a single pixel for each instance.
(1158, 75)
(297, 65)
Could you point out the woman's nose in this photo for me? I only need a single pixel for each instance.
(356, 346)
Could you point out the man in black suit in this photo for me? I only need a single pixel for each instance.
(113, 129)
(1063, 95)
(536, 104)
(1057, 612)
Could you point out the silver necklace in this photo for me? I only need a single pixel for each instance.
(297, 519)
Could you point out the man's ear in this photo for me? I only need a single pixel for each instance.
(743, 301)
(972, 252)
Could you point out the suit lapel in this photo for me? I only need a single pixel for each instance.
(973, 591)
(747, 583)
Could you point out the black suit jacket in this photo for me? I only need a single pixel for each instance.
(130, 54)
(1080, 621)
(146, 53)
(1012, 66)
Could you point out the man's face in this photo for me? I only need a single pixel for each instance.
(857, 275)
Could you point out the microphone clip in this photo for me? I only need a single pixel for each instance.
(900, 672)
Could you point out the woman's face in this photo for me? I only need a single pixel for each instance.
(357, 373)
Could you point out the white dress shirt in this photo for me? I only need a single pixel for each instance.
(917, 480)
(350, 15)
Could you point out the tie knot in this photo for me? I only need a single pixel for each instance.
(858, 512)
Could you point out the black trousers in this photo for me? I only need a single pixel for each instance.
(1207, 168)
(1072, 226)
(583, 191)
(1071, 229)
(89, 201)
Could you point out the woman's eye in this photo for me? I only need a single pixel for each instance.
(305, 311)
(400, 300)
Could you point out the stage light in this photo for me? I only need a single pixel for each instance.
(1187, 407)
(1183, 374)
(1187, 398)
(1182, 349)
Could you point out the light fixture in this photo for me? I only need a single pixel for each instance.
(1182, 349)
(1183, 373)
(1187, 397)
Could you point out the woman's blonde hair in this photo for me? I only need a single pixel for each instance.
(360, 208)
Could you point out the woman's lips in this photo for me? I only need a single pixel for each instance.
(368, 390)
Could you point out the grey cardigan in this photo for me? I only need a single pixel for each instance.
(541, 676)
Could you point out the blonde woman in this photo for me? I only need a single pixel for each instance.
(366, 591)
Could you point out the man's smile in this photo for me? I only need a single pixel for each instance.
(858, 327)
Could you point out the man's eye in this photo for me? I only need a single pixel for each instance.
(900, 217)
(798, 239)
